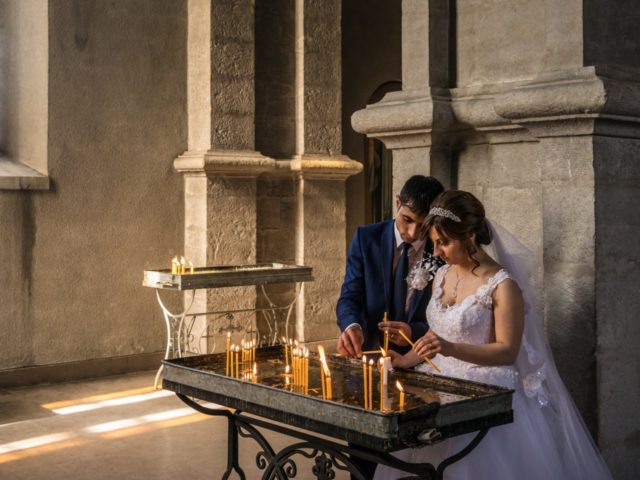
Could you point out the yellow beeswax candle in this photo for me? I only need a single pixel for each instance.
(365, 389)
(401, 390)
(370, 384)
(306, 372)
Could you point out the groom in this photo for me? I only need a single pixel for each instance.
(379, 259)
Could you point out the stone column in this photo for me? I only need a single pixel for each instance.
(221, 166)
(264, 79)
(543, 119)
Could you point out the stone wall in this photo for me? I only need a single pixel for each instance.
(75, 253)
(532, 105)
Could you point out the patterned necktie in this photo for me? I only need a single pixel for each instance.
(400, 284)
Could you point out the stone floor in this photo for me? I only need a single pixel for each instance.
(115, 427)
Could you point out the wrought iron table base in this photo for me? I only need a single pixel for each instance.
(327, 454)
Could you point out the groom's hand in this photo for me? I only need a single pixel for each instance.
(394, 328)
(350, 342)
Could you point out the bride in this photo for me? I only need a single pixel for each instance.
(485, 326)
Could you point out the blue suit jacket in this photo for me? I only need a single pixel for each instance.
(368, 285)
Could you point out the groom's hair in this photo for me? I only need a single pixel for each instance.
(418, 192)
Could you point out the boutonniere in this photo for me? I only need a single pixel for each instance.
(424, 271)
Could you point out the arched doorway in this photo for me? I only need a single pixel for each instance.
(378, 168)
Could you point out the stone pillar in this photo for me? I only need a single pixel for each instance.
(221, 166)
(546, 137)
(264, 78)
(416, 123)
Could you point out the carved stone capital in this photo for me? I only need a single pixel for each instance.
(237, 163)
(327, 167)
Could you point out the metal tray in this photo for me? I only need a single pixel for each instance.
(227, 276)
(436, 407)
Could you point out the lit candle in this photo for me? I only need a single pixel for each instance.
(365, 389)
(228, 352)
(370, 383)
(399, 387)
(306, 372)
(237, 361)
(190, 267)
(254, 379)
(328, 380)
(182, 265)
(174, 266)
(287, 375)
(385, 366)
(232, 349)
(322, 370)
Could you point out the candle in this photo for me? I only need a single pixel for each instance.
(228, 353)
(237, 361)
(385, 364)
(287, 375)
(306, 372)
(370, 384)
(322, 370)
(190, 267)
(182, 265)
(426, 359)
(286, 351)
(174, 266)
(399, 387)
(327, 376)
(365, 390)
(386, 334)
(254, 379)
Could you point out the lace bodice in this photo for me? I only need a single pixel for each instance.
(470, 321)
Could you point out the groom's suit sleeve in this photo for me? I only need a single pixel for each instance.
(350, 307)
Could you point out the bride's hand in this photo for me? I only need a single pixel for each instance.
(402, 361)
(430, 345)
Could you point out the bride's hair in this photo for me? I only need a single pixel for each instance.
(468, 219)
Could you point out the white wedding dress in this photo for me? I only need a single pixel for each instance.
(536, 445)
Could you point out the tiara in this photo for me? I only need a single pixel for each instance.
(443, 212)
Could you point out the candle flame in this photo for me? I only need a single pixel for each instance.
(321, 353)
(228, 334)
(371, 363)
(287, 369)
(384, 353)
(399, 386)
(364, 359)
(255, 368)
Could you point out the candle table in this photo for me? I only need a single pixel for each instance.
(337, 429)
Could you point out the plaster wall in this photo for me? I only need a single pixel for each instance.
(24, 61)
(116, 120)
